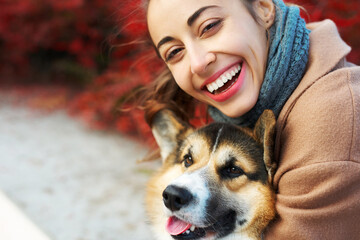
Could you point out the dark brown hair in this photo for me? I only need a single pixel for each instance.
(164, 93)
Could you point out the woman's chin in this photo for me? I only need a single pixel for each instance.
(235, 111)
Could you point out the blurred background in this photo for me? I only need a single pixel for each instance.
(88, 55)
(80, 60)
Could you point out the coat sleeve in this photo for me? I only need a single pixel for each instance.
(318, 179)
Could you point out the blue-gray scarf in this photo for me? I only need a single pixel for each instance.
(287, 59)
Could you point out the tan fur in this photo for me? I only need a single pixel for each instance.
(254, 199)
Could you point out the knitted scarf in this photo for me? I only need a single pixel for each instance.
(287, 59)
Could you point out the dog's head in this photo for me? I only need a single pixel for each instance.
(215, 182)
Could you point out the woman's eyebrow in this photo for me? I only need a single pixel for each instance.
(163, 41)
(197, 14)
(190, 21)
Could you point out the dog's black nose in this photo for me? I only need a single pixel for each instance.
(176, 197)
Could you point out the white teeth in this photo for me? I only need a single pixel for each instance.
(187, 232)
(224, 78)
(219, 83)
(210, 88)
(192, 228)
(213, 86)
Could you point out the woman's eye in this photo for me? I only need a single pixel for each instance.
(172, 54)
(210, 26)
(188, 161)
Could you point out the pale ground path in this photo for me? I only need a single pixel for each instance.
(72, 182)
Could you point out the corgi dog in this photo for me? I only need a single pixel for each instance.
(215, 181)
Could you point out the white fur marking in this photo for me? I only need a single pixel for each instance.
(194, 182)
(217, 140)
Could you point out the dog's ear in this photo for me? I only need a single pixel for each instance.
(168, 129)
(264, 132)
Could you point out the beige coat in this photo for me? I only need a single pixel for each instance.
(318, 147)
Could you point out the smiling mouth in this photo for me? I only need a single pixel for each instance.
(225, 81)
(181, 230)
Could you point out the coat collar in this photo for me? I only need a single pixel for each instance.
(326, 51)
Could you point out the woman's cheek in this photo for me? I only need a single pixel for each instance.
(181, 78)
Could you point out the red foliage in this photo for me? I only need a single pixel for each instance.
(77, 31)
(346, 16)
(74, 28)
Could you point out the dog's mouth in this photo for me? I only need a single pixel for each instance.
(181, 230)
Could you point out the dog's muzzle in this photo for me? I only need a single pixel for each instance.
(176, 198)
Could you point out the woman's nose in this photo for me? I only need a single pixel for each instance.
(200, 59)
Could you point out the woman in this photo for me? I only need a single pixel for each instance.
(243, 56)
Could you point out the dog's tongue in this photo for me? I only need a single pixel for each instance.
(175, 226)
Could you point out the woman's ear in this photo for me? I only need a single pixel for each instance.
(265, 10)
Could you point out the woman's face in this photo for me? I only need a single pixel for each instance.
(215, 49)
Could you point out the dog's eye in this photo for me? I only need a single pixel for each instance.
(232, 172)
(188, 161)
